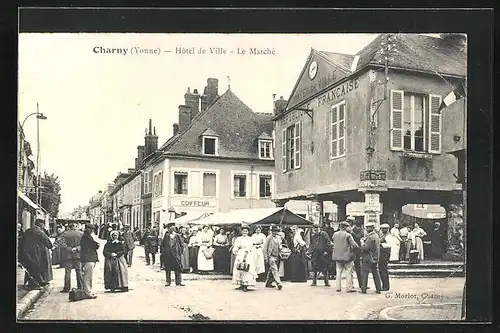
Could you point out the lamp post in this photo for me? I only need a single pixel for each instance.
(39, 116)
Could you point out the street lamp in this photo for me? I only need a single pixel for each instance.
(39, 116)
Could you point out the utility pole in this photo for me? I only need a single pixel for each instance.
(37, 157)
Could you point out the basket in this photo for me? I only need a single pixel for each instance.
(285, 252)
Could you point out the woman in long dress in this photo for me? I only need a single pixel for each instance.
(205, 265)
(194, 247)
(298, 258)
(395, 243)
(258, 239)
(243, 249)
(185, 253)
(115, 265)
(281, 268)
(234, 234)
(221, 252)
(419, 233)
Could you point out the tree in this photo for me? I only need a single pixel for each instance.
(50, 193)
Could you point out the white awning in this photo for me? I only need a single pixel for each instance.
(27, 200)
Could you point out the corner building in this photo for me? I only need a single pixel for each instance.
(220, 157)
(349, 135)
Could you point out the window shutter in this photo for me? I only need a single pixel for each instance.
(434, 124)
(333, 132)
(397, 98)
(283, 150)
(298, 130)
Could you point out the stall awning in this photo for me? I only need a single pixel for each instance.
(261, 216)
(27, 200)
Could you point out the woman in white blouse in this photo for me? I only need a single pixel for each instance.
(243, 249)
(258, 239)
(395, 243)
(205, 239)
(298, 257)
(419, 233)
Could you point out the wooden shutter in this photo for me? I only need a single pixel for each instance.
(283, 150)
(297, 144)
(333, 132)
(434, 124)
(342, 134)
(397, 107)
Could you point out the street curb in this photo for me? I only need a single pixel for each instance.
(27, 301)
(384, 314)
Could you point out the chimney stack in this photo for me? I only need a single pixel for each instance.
(193, 101)
(131, 170)
(141, 150)
(176, 129)
(210, 93)
(184, 117)
(151, 139)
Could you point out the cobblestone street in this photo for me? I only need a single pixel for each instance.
(149, 299)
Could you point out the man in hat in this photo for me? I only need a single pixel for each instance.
(385, 255)
(343, 254)
(271, 250)
(150, 241)
(320, 252)
(370, 249)
(171, 251)
(70, 256)
(88, 257)
(34, 255)
(128, 237)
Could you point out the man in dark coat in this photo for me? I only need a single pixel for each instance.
(358, 233)
(171, 251)
(385, 255)
(34, 255)
(150, 241)
(320, 252)
(88, 257)
(128, 237)
(370, 249)
(70, 256)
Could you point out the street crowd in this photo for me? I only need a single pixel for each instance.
(250, 253)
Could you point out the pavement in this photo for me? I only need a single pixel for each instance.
(210, 298)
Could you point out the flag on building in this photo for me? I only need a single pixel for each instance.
(451, 98)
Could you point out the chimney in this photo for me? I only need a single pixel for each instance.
(99, 192)
(136, 165)
(210, 93)
(141, 150)
(151, 139)
(184, 117)
(130, 170)
(193, 101)
(176, 129)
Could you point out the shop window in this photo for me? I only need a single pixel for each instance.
(291, 147)
(265, 186)
(265, 149)
(180, 183)
(209, 184)
(415, 122)
(338, 130)
(210, 145)
(239, 186)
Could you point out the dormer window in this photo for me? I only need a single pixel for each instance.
(210, 143)
(265, 146)
(266, 149)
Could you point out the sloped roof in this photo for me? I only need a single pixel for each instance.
(264, 135)
(420, 52)
(340, 59)
(414, 51)
(209, 132)
(234, 122)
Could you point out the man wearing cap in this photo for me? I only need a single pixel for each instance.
(70, 256)
(171, 251)
(385, 255)
(271, 251)
(370, 249)
(150, 241)
(88, 257)
(128, 237)
(320, 252)
(343, 254)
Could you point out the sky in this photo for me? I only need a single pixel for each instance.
(98, 105)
